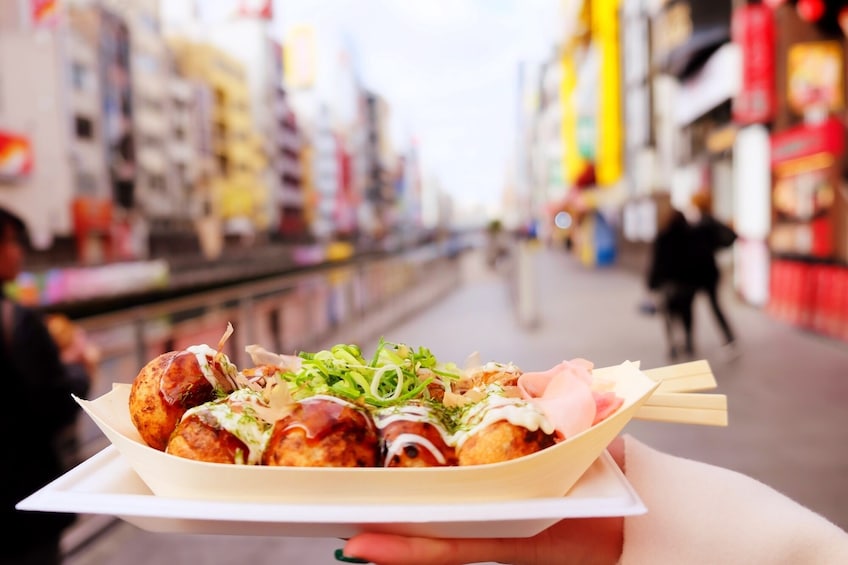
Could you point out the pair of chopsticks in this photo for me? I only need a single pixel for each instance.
(678, 398)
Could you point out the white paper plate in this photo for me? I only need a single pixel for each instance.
(107, 484)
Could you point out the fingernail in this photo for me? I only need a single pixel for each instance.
(340, 556)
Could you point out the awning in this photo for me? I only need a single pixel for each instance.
(717, 81)
(686, 59)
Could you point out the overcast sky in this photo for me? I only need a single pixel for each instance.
(448, 68)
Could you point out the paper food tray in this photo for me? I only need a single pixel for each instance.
(547, 473)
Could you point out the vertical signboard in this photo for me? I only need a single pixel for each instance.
(753, 29)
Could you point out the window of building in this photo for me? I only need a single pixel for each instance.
(84, 127)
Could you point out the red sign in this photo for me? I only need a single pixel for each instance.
(44, 12)
(91, 214)
(260, 9)
(15, 155)
(753, 29)
(805, 140)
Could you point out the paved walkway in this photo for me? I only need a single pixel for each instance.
(786, 393)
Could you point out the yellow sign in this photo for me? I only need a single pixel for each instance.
(814, 77)
(299, 57)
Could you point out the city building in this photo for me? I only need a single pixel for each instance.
(54, 164)
(240, 193)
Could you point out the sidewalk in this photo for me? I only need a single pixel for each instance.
(786, 393)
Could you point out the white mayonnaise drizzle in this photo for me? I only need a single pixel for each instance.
(204, 354)
(494, 408)
(402, 440)
(236, 414)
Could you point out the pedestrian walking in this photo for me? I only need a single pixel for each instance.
(710, 236)
(670, 277)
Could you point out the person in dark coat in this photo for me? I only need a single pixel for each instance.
(709, 236)
(37, 413)
(670, 274)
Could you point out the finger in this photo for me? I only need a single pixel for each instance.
(387, 549)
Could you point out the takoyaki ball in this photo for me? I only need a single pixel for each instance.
(324, 431)
(172, 383)
(413, 436)
(193, 439)
(225, 431)
(499, 428)
(502, 441)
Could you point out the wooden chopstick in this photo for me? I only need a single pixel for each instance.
(687, 400)
(684, 377)
(702, 416)
(676, 399)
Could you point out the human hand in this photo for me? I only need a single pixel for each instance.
(585, 541)
(74, 345)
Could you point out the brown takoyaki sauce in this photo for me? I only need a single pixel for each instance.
(183, 384)
(324, 432)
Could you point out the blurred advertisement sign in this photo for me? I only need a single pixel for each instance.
(44, 13)
(815, 76)
(805, 174)
(92, 214)
(753, 30)
(92, 219)
(16, 158)
(299, 57)
(806, 141)
(260, 9)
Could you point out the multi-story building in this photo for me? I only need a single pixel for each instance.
(326, 175)
(149, 206)
(373, 165)
(240, 193)
(248, 38)
(285, 153)
(54, 106)
(191, 162)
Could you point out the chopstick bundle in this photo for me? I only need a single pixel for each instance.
(677, 397)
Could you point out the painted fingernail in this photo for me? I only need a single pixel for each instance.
(340, 556)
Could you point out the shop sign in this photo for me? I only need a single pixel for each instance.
(807, 140)
(753, 29)
(299, 57)
(91, 214)
(804, 191)
(16, 157)
(259, 9)
(815, 76)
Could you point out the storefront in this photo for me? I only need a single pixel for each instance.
(808, 240)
